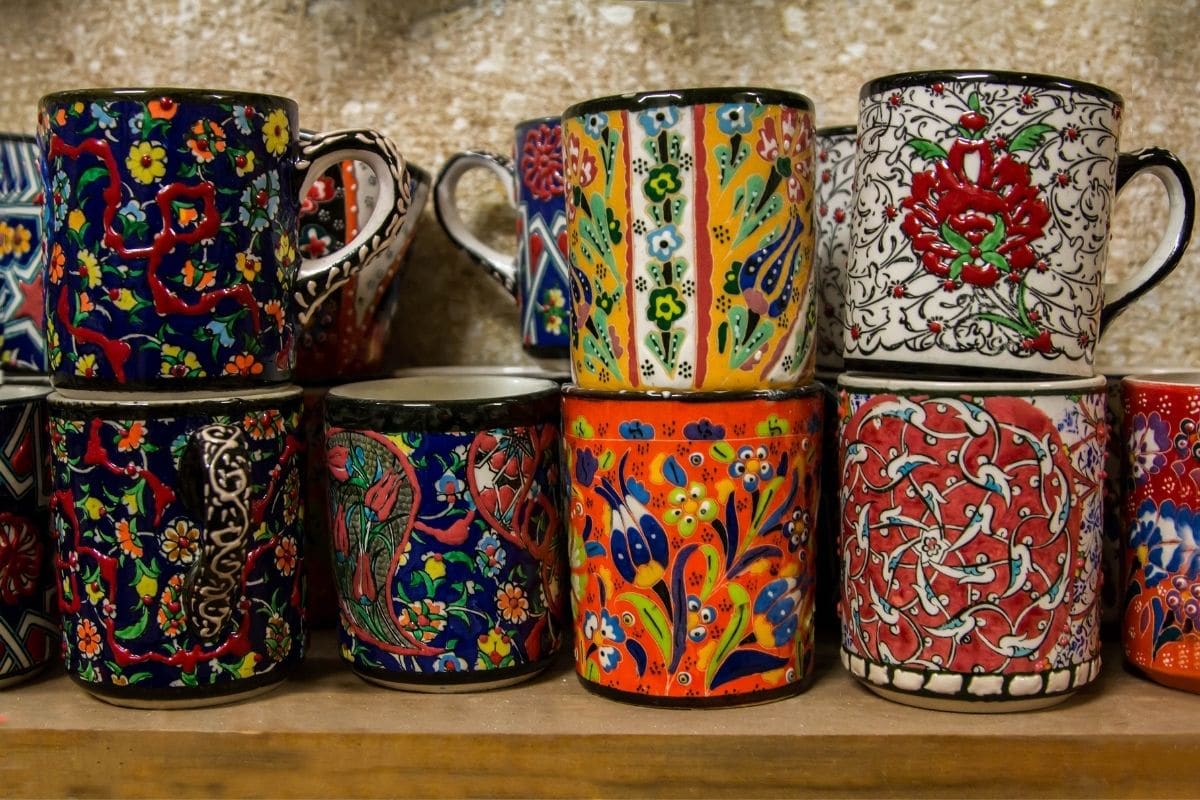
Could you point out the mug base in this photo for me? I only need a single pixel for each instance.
(183, 697)
(451, 683)
(758, 698)
(967, 706)
(1172, 680)
(12, 679)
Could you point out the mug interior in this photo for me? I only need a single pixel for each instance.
(444, 388)
(898, 384)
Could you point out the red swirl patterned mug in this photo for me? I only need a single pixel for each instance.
(970, 541)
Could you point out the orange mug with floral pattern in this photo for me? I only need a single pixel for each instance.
(691, 543)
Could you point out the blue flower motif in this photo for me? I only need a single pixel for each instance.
(656, 120)
(133, 211)
(448, 662)
(635, 429)
(752, 467)
(260, 202)
(241, 120)
(60, 189)
(103, 118)
(600, 631)
(704, 430)
(135, 124)
(775, 612)
(490, 557)
(593, 124)
(222, 331)
(734, 118)
(1165, 541)
(662, 242)
(586, 465)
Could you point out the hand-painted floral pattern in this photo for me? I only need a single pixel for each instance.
(971, 531)
(129, 544)
(835, 197)
(446, 550)
(22, 259)
(690, 550)
(981, 225)
(690, 239)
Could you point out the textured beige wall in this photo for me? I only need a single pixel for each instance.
(445, 75)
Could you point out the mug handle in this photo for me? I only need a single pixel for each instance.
(501, 266)
(215, 486)
(317, 278)
(1181, 213)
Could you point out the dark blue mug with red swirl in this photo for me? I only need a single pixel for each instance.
(537, 274)
(172, 234)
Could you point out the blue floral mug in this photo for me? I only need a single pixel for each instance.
(180, 551)
(447, 535)
(537, 275)
(21, 256)
(172, 234)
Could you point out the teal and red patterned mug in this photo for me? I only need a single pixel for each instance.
(172, 234)
(180, 550)
(981, 223)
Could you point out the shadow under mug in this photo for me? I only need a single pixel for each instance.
(981, 223)
(537, 275)
(172, 230)
(180, 554)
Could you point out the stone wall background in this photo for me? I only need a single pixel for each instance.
(447, 75)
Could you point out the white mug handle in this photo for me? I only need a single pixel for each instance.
(501, 266)
(1181, 213)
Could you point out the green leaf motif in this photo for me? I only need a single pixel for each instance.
(90, 176)
(996, 237)
(136, 629)
(955, 239)
(1029, 137)
(712, 568)
(973, 101)
(739, 620)
(930, 151)
(653, 621)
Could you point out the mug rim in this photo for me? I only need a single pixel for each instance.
(899, 384)
(442, 403)
(536, 120)
(12, 394)
(1039, 80)
(116, 93)
(632, 396)
(24, 138)
(641, 100)
(1180, 379)
(830, 131)
(76, 404)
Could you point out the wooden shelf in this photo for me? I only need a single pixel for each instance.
(327, 733)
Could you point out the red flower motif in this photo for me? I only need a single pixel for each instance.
(581, 164)
(20, 558)
(381, 497)
(322, 191)
(542, 162)
(895, 99)
(786, 148)
(839, 215)
(1026, 99)
(973, 216)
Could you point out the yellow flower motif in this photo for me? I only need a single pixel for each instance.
(435, 567)
(94, 507)
(7, 239)
(147, 586)
(125, 300)
(94, 592)
(555, 299)
(86, 365)
(285, 255)
(249, 266)
(244, 163)
(275, 132)
(89, 269)
(76, 219)
(146, 162)
(179, 363)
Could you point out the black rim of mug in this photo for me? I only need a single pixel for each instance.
(639, 101)
(834, 131)
(538, 403)
(902, 80)
(139, 407)
(697, 398)
(175, 93)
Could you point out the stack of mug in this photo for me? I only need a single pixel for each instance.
(174, 285)
(972, 430)
(693, 426)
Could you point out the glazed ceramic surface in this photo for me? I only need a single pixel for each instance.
(180, 544)
(321, 603)
(347, 334)
(172, 234)
(28, 616)
(981, 222)
(835, 201)
(444, 515)
(1161, 621)
(690, 238)
(970, 547)
(538, 273)
(829, 513)
(21, 256)
(691, 543)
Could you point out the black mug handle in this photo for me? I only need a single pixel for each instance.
(215, 485)
(1163, 165)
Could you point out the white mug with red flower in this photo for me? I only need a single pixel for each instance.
(835, 198)
(537, 274)
(981, 222)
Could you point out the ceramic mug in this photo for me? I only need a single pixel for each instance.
(690, 239)
(835, 201)
(21, 256)
(172, 234)
(981, 223)
(1160, 627)
(348, 332)
(691, 543)
(537, 275)
(447, 541)
(970, 543)
(28, 613)
(180, 553)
